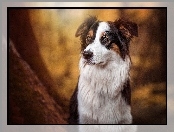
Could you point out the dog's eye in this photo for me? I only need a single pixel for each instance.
(105, 38)
(88, 39)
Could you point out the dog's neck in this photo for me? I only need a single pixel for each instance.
(108, 79)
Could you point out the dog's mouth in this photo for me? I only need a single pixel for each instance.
(91, 62)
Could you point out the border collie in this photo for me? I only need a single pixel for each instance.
(103, 93)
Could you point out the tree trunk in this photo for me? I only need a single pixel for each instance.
(28, 99)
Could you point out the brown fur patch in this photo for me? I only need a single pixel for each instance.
(125, 31)
(91, 33)
(90, 37)
(102, 34)
(115, 48)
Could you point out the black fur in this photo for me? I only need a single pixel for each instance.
(73, 118)
(126, 92)
(123, 31)
(83, 30)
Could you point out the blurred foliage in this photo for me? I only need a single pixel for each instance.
(149, 104)
(46, 41)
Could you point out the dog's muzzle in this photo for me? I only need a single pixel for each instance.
(88, 56)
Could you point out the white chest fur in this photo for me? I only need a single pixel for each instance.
(99, 93)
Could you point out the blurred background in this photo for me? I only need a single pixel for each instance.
(43, 63)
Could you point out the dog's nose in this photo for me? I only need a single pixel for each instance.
(87, 54)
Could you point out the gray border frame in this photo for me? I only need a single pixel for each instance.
(68, 128)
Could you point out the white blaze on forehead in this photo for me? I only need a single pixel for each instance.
(103, 26)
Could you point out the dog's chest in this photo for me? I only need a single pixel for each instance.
(99, 95)
(103, 81)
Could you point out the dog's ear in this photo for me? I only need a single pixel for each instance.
(85, 26)
(127, 28)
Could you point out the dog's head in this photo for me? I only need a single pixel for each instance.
(102, 42)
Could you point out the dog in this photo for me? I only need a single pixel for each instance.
(103, 94)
